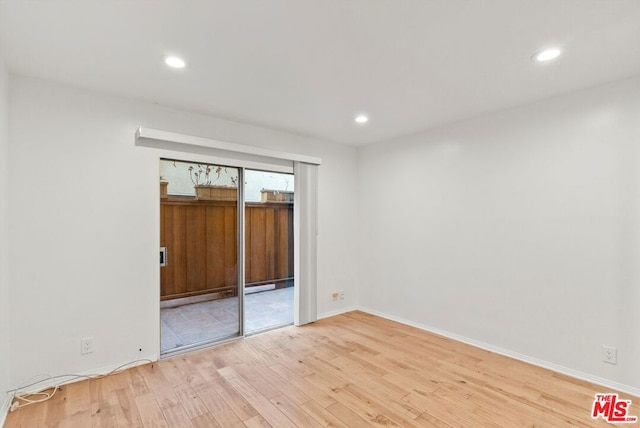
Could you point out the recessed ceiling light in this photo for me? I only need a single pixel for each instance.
(361, 118)
(547, 55)
(175, 62)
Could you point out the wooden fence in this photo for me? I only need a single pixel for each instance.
(202, 251)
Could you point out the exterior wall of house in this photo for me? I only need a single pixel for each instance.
(180, 182)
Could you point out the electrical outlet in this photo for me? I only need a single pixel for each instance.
(341, 294)
(609, 354)
(335, 295)
(86, 346)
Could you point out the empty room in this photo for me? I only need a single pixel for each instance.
(285, 213)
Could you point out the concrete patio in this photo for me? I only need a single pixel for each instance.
(218, 319)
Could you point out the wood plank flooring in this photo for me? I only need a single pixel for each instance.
(350, 370)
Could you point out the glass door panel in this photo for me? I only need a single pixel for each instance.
(199, 280)
(268, 250)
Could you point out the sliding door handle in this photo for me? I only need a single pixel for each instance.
(163, 256)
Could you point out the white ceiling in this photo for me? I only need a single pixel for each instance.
(308, 67)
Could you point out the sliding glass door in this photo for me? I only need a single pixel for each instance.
(226, 262)
(200, 288)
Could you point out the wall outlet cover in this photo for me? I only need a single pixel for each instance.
(86, 346)
(609, 354)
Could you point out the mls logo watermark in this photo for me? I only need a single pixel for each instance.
(613, 410)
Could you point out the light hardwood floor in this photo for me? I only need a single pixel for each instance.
(347, 371)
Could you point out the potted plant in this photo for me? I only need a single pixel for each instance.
(163, 188)
(268, 195)
(201, 176)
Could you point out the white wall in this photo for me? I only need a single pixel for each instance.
(85, 239)
(4, 245)
(519, 229)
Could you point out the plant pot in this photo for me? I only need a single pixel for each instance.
(267, 195)
(163, 189)
(216, 193)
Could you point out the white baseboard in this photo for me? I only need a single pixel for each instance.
(338, 312)
(4, 408)
(607, 383)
